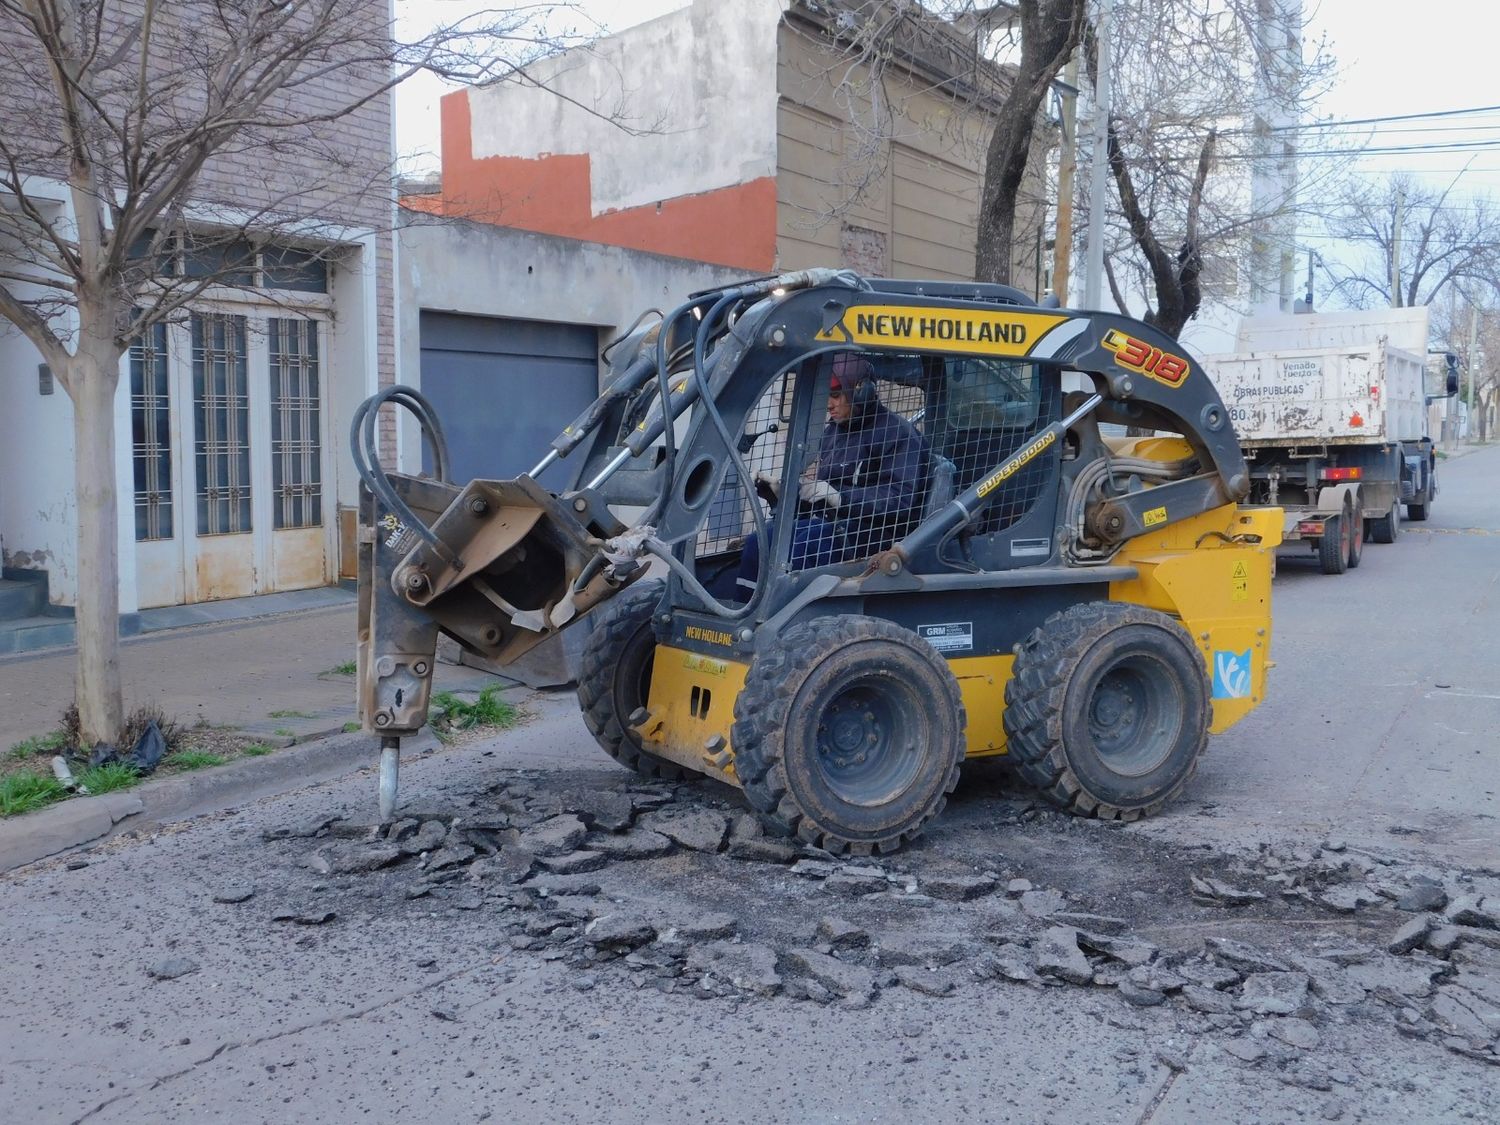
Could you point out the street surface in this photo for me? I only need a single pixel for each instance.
(264, 964)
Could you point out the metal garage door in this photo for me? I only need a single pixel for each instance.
(504, 388)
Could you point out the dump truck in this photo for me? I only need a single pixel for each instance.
(1331, 412)
(840, 534)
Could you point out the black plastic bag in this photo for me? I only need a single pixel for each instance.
(149, 750)
(103, 755)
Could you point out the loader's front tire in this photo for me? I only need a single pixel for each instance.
(614, 678)
(848, 734)
(1107, 710)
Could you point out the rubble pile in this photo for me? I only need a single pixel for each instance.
(559, 872)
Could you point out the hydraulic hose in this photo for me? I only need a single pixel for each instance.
(364, 447)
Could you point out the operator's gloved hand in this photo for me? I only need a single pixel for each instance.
(765, 488)
(819, 492)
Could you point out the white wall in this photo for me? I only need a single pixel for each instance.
(705, 99)
(38, 513)
(482, 270)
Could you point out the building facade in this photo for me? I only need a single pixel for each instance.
(717, 142)
(754, 135)
(231, 416)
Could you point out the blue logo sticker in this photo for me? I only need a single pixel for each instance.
(1232, 675)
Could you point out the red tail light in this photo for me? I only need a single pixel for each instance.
(1342, 474)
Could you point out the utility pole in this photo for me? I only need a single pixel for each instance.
(1277, 46)
(1094, 277)
(1473, 363)
(1396, 248)
(1067, 169)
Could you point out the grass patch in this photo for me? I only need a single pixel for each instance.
(107, 779)
(347, 668)
(456, 715)
(40, 746)
(254, 750)
(198, 759)
(351, 727)
(23, 792)
(290, 715)
(282, 732)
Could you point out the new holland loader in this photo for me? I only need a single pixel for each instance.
(840, 534)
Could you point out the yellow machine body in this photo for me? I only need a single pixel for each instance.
(1212, 572)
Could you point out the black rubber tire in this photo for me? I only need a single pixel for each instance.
(1387, 528)
(1356, 522)
(1418, 512)
(1091, 655)
(1333, 546)
(614, 678)
(827, 689)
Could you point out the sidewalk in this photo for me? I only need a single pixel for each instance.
(1463, 449)
(273, 677)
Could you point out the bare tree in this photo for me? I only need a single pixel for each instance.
(1181, 137)
(1050, 31)
(1444, 239)
(195, 122)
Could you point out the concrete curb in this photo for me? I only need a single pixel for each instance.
(83, 820)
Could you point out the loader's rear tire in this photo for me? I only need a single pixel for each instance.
(848, 734)
(1386, 528)
(614, 678)
(1333, 546)
(1356, 521)
(1107, 710)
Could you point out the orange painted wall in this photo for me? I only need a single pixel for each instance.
(733, 226)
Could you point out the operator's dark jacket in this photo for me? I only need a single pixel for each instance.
(879, 464)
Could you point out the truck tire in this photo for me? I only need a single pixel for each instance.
(1107, 710)
(1356, 522)
(1386, 528)
(1333, 546)
(614, 678)
(848, 734)
(1417, 512)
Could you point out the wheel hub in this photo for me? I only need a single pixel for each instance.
(1129, 719)
(865, 752)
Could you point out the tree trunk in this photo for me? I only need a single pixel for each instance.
(1050, 30)
(92, 389)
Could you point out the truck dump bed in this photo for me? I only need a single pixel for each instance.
(1364, 394)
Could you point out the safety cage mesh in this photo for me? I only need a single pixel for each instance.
(903, 436)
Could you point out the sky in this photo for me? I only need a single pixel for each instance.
(1394, 59)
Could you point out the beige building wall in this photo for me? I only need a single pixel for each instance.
(900, 200)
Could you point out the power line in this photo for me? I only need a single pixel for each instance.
(1392, 117)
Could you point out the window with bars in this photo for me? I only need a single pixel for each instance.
(221, 408)
(296, 448)
(150, 424)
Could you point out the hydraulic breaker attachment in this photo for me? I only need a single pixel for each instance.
(502, 566)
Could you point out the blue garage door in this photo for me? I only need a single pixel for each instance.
(504, 388)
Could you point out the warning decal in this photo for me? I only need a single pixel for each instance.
(979, 332)
(1239, 584)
